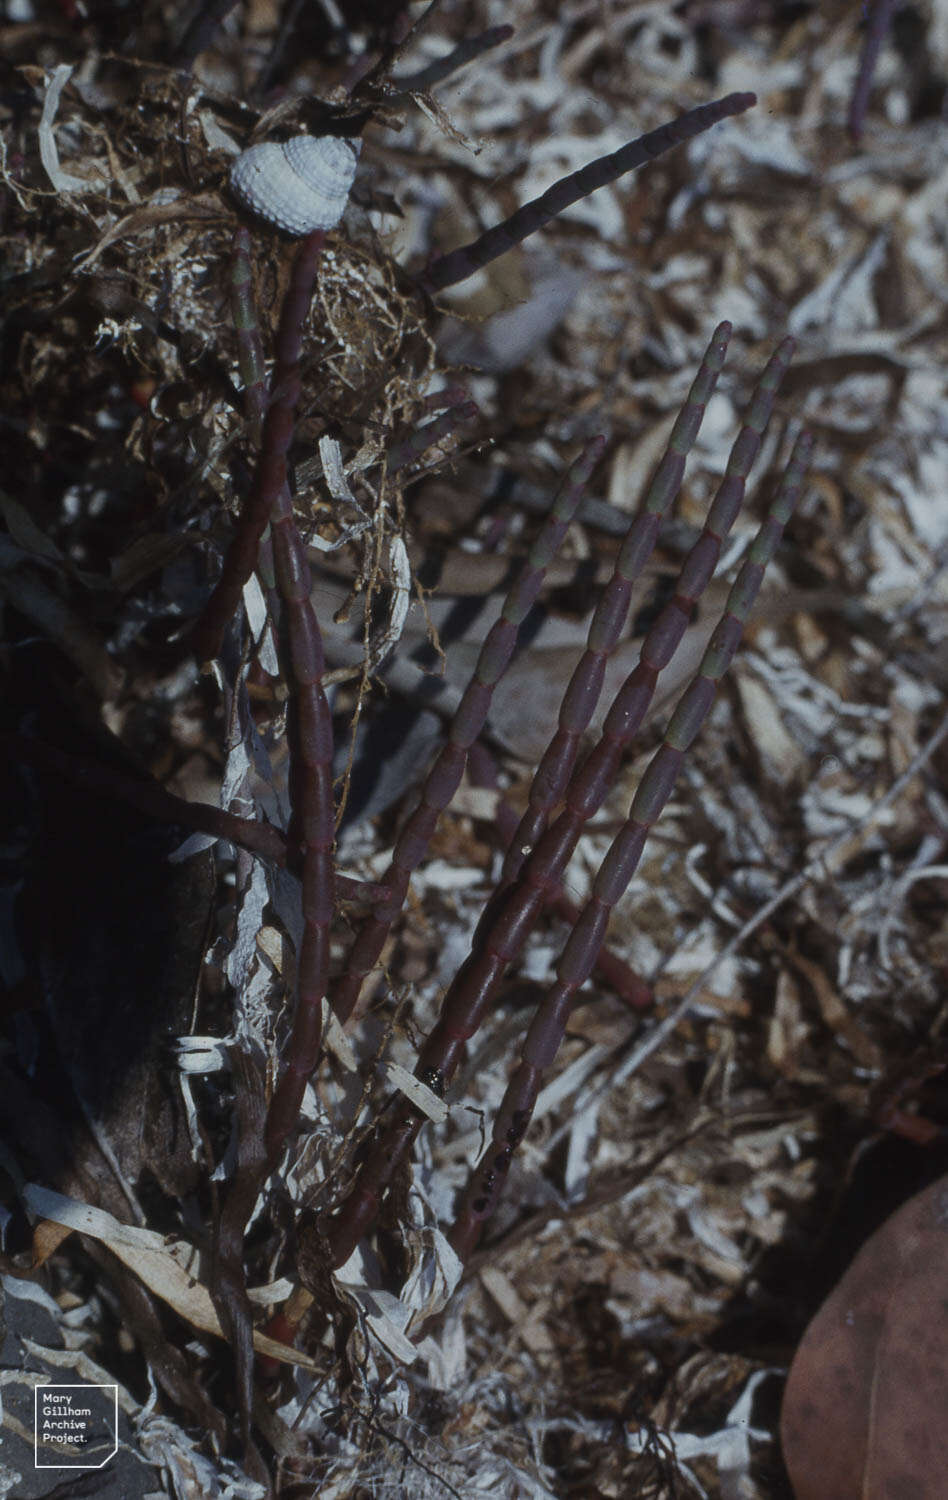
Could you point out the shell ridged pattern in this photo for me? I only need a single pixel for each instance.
(300, 186)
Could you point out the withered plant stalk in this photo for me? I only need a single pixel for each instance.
(250, 356)
(417, 442)
(465, 52)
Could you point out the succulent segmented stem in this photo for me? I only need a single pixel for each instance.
(312, 824)
(510, 915)
(261, 839)
(309, 725)
(90, 775)
(445, 775)
(579, 955)
(271, 474)
(253, 373)
(458, 264)
(605, 629)
(614, 972)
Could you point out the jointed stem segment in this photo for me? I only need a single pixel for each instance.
(579, 955)
(546, 838)
(278, 424)
(511, 913)
(286, 566)
(309, 728)
(445, 775)
(461, 263)
(605, 630)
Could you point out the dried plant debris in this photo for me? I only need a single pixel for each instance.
(267, 1141)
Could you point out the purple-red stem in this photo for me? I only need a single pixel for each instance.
(261, 839)
(309, 723)
(445, 775)
(605, 630)
(612, 970)
(546, 1032)
(312, 822)
(510, 915)
(253, 373)
(271, 475)
(458, 264)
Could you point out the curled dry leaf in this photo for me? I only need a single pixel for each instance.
(47, 1238)
(166, 1266)
(864, 1409)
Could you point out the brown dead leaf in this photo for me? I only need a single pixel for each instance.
(47, 1238)
(168, 1267)
(864, 1409)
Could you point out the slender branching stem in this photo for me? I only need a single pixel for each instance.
(512, 912)
(605, 630)
(579, 955)
(309, 723)
(445, 775)
(271, 474)
(312, 823)
(616, 975)
(458, 264)
(96, 777)
(253, 373)
(262, 839)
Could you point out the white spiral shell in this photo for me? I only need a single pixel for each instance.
(300, 186)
